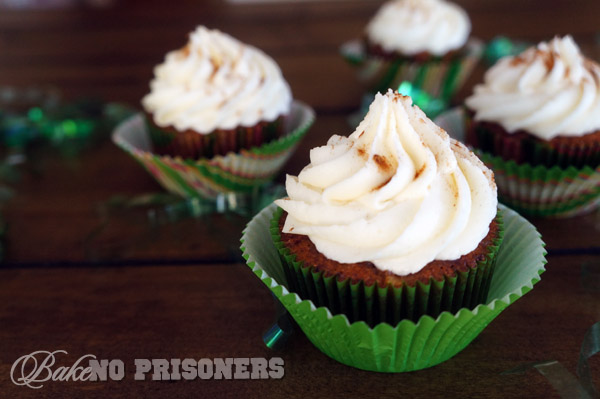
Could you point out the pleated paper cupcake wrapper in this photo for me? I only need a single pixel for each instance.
(536, 191)
(408, 345)
(545, 192)
(374, 304)
(190, 144)
(529, 150)
(211, 177)
(438, 77)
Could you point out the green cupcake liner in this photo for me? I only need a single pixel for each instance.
(438, 77)
(375, 304)
(242, 171)
(406, 346)
(534, 190)
(545, 192)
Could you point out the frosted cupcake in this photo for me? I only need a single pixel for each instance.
(395, 221)
(418, 29)
(219, 121)
(215, 95)
(536, 118)
(424, 42)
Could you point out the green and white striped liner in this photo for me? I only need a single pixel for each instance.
(208, 178)
(545, 192)
(537, 191)
(439, 78)
(406, 346)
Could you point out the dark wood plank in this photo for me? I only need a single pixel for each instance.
(110, 53)
(56, 215)
(221, 311)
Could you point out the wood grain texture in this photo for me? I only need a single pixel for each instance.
(209, 311)
(110, 53)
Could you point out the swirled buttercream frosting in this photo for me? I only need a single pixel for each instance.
(398, 192)
(549, 90)
(410, 27)
(216, 82)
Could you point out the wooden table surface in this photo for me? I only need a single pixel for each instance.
(122, 288)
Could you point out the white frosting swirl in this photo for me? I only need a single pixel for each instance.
(398, 192)
(413, 26)
(548, 90)
(216, 82)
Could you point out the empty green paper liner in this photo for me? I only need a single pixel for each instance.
(209, 177)
(408, 345)
(374, 304)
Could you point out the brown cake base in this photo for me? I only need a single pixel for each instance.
(524, 147)
(194, 145)
(362, 292)
(375, 50)
(306, 252)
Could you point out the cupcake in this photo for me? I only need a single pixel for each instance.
(408, 345)
(393, 222)
(219, 122)
(215, 95)
(418, 30)
(536, 119)
(424, 42)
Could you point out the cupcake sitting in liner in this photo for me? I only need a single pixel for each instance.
(536, 121)
(424, 42)
(215, 95)
(394, 222)
(219, 119)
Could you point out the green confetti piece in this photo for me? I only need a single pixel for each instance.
(35, 114)
(502, 47)
(430, 105)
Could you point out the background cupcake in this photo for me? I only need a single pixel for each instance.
(219, 119)
(215, 95)
(536, 119)
(425, 43)
(395, 221)
(418, 30)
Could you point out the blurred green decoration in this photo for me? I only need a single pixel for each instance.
(497, 48)
(36, 117)
(162, 208)
(501, 46)
(165, 207)
(432, 106)
(42, 119)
